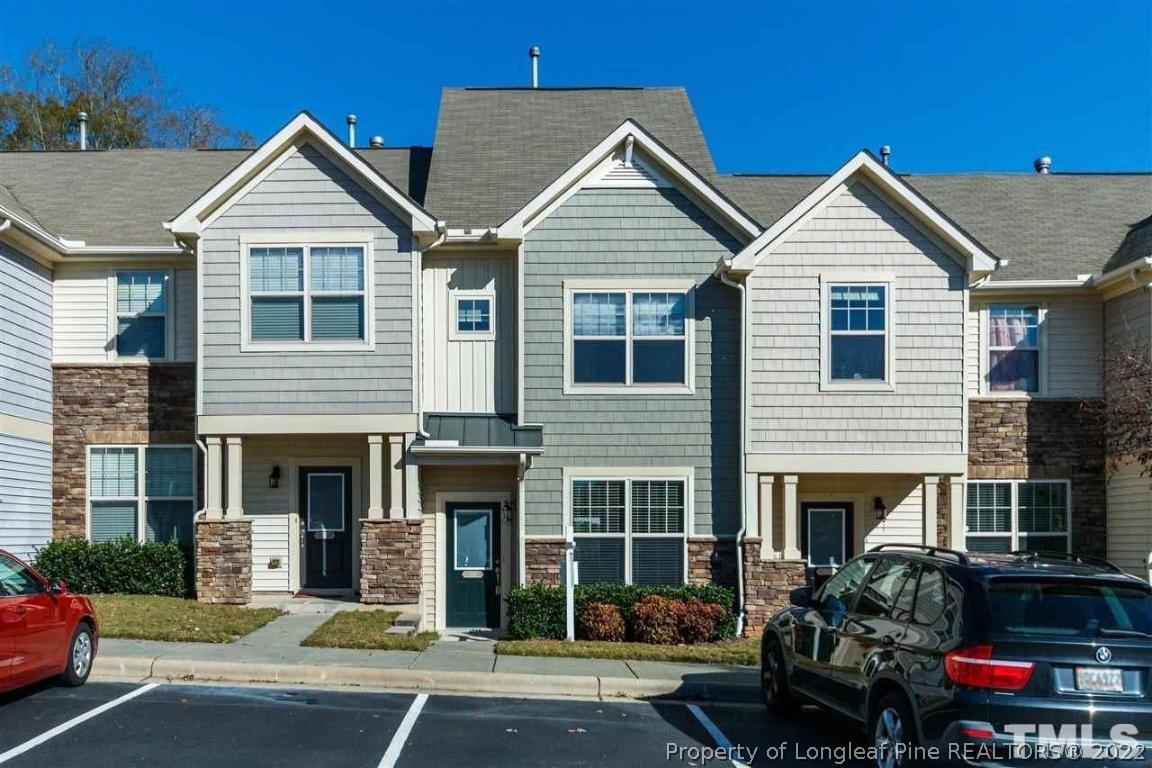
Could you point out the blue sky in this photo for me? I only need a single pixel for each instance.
(778, 86)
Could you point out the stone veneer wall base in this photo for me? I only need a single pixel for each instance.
(224, 561)
(767, 584)
(390, 561)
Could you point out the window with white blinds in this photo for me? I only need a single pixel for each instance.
(1011, 515)
(141, 492)
(308, 293)
(142, 313)
(630, 530)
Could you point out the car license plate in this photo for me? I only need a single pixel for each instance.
(1098, 680)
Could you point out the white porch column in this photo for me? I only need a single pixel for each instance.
(375, 477)
(235, 478)
(411, 480)
(931, 489)
(766, 533)
(213, 501)
(791, 519)
(751, 506)
(956, 512)
(395, 476)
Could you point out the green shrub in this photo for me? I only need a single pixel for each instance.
(601, 621)
(656, 619)
(538, 611)
(117, 567)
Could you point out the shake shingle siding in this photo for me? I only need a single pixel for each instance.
(307, 193)
(630, 235)
(858, 233)
(25, 337)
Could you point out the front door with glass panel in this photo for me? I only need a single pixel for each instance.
(473, 559)
(326, 508)
(826, 533)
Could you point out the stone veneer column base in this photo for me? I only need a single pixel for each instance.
(712, 561)
(543, 559)
(390, 561)
(766, 586)
(224, 561)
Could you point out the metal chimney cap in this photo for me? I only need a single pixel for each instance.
(83, 116)
(1042, 164)
(534, 51)
(376, 141)
(351, 119)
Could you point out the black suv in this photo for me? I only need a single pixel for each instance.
(978, 659)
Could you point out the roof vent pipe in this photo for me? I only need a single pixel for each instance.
(351, 130)
(83, 119)
(1042, 164)
(376, 142)
(534, 55)
(885, 153)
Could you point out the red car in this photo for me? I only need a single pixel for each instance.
(44, 631)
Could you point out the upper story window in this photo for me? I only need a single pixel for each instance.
(474, 315)
(1014, 348)
(141, 492)
(857, 346)
(633, 340)
(307, 294)
(142, 314)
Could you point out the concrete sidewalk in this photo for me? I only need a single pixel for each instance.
(273, 654)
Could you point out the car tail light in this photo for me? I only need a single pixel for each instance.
(975, 668)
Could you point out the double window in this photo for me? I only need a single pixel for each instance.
(1014, 340)
(308, 293)
(630, 531)
(1005, 516)
(142, 303)
(141, 492)
(629, 339)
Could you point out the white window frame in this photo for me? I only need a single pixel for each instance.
(456, 539)
(986, 350)
(1015, 533)
(168, 314)
(141, 498)
(306, 241)
(628, 476)
(454, 332)
(629, 288)
(827, 383)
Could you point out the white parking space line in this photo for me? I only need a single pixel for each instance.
(54, 732)
(715, 732)
(396, 746)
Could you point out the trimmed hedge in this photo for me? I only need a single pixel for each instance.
(538, 611)
(118, 567)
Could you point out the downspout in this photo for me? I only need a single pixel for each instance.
(723, 276)
(7, 223)
(418, 331)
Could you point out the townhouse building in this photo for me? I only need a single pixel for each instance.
(409, 373)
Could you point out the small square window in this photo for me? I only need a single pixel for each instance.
(474, 317)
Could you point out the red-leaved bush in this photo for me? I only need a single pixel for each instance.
(696, 621)
(655, 620)
(601, 621)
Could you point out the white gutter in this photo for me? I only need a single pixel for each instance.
(7, 223)
(1132, 268)
(1083, 281)
(720, 273)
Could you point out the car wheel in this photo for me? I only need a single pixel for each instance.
(774, 681)
(893, 732)
(81, 653)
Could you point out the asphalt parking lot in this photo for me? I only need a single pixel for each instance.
(121, 724)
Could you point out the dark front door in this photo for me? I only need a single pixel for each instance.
(473, 559)
(326, 502)
(826, 533)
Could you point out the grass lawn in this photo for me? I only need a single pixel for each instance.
(726, 652)
(366, 630)
(146, 617)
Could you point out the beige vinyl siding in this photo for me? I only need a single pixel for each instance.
(1128, 323)
(476, 375)
(271, 545)
(1130, 520)
(307, 192)
(83, 323)
(857, 233)
(1072, 335)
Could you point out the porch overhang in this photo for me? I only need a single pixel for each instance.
(477, 434)
(309, 424)
(858, 463)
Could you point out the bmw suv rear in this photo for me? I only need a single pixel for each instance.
(983, 660)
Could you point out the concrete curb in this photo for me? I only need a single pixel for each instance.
(507, 683)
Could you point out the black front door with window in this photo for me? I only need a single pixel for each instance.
(326, 506)
(473, 558)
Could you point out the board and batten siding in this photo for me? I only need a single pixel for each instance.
(857, 233)
(307, 192)
(84, 321)
(25, 337)
(474, 375)
(632, 234)
(1072, 334)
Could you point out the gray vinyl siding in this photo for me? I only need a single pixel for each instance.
(25, 337)
(25, 495)
(632, 234)
(1128, 323)
(307, 192)
(859, 232)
